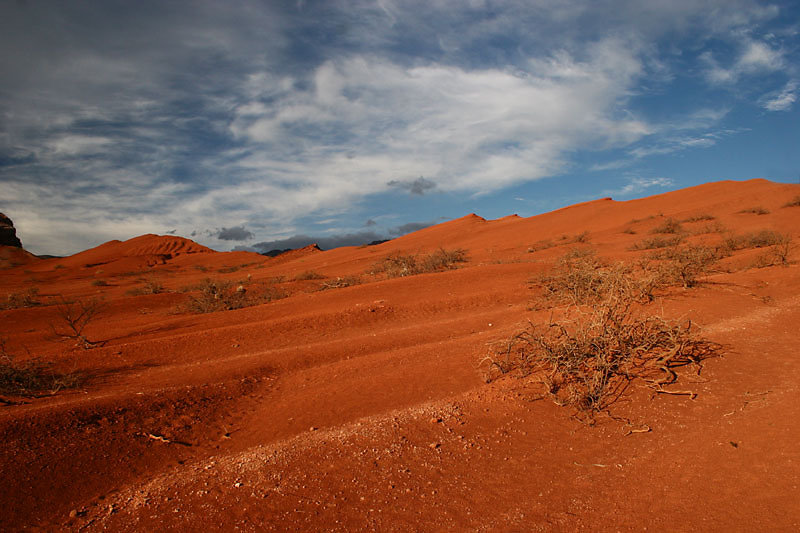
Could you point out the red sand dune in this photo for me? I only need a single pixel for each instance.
(366, 407)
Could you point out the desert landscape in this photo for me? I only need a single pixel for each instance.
(458, 378)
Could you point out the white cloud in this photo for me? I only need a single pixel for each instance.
(365, 121)
(755, 57)
(782, 100)
(637, 185)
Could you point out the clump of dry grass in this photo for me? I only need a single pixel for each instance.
(670, 226)
(400, 265)
(33, 377)
(699, 218)
(218, 295)
(18, 300)
(657, 242)
(777, 254)
(759, 239)
(340, 282)
(588, 362)
(684, 264)
(794, 202)
(151, 286)
(758, 210)
(541, 245)
(308, 275)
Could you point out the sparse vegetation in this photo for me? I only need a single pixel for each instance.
(541, 245)
(340, 282)
(670, 226)
(400, 265)
(684, 264)
(218, 295)
(150, 286)
(794, 202)
(17, 300)
(228, 270)
(759, 239)
(606, 340)
(75, 316)
(32, 377)
(99, 283)
(758, 210)
(699, 218)
(778, 253)
(582, 237)
(588, 362)
(657, 242)
(308, 275)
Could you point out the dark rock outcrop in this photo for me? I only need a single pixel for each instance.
(8, 234)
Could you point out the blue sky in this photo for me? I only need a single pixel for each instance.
(270, 124)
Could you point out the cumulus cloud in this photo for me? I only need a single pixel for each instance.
(236, 233)
(755, 57)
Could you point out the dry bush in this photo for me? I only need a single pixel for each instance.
(758, 210)
(794, 202)
(17, 300)
(201, 268)
(587, 363)
(541, 245)
(33, 377)
(228, 270)
(699, 218)
(582, 237)
(75, 316)
(684, 264)
(308, 275)
(150, 286)
(218, 295)
(582, 278)
(400, 265)
(778, 253)
(340, 282)
(657, 242)
(760, 239)
(99, 283)
(629, 231)
(711, 227)
(670, 225)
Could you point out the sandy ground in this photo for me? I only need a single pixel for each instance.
(367, 408)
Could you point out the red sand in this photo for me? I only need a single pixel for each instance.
(366, 407)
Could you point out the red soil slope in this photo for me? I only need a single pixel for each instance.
(366, 408)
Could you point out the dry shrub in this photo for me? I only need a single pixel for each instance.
(541, 245)
(17, 300)
(340, 282)
(794, 202)
(711, 227)
(218, 295)
(75, 316)
(699, 218)
(657, 242)
(400, 265)
(684, 264)
(99, 283)
(582, 237)
(308, 275)
(228, 270)
(150, 286)
(32, 377)
(760, 239)
(778, 253)
(670, 225)
(588, 362)
(758, 210)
